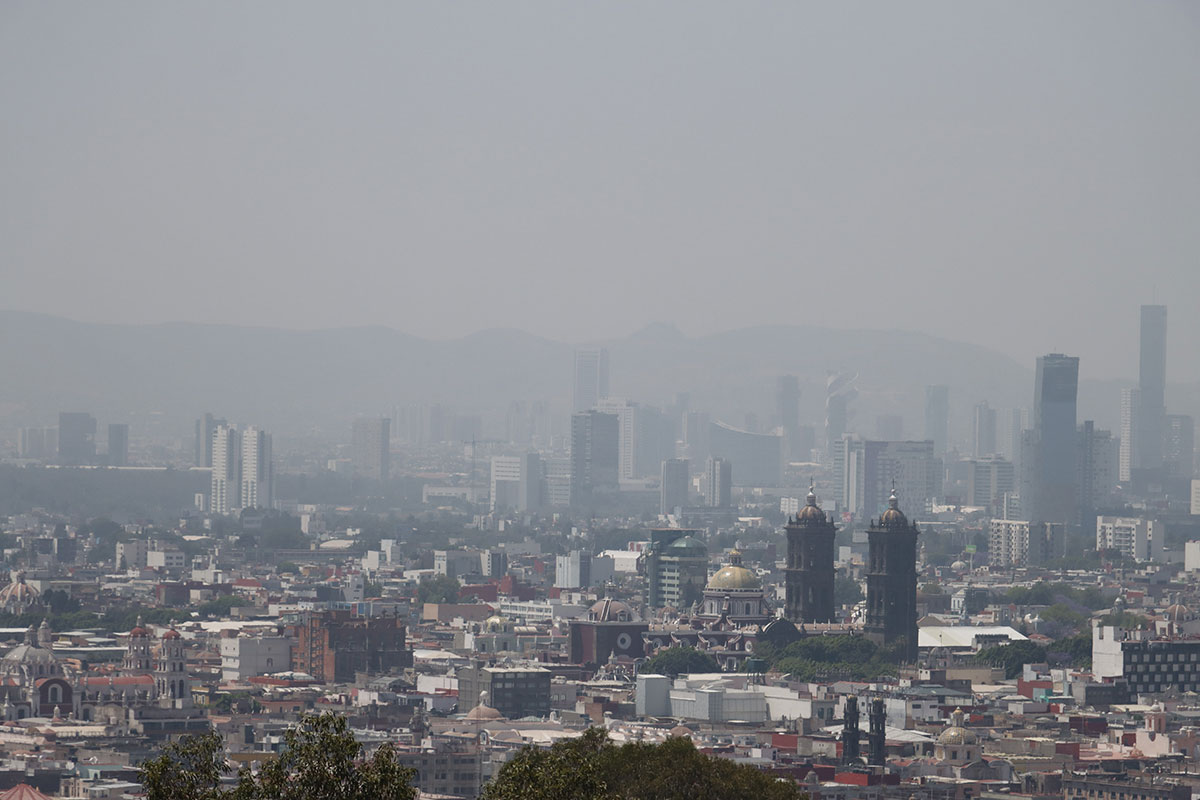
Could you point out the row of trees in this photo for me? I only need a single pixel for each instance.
(321, 759)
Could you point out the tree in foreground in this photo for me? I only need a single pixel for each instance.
(592, 768)
(320, 759)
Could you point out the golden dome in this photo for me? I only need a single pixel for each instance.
(734, 577)
(893, 517)
(956, 733)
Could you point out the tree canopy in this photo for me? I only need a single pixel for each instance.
(592, 768)
(438, 589)
(679, 660)
(1013, 656)
(320, 759)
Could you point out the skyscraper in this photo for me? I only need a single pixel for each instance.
(626, 413)
(787, 409)
(76, 438)
(258, 472)
(1055, 484)
(372, 447)
(118, 445)
(591, 378)
(1179, 454)
(984, 431)
(1152, 382)
(595, 456)
(516, 482)
(226, 494)
(892, 579)
(718, 483)
(1098, 465)
(675, 478)
(1130, 421)
(937, 416)
(809, 572)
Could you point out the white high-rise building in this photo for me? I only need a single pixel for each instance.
(1129, 434)
(1132, 537)
(1019, 543)
(226, 496)
(516, 482)
(258, 472)
(627, 441)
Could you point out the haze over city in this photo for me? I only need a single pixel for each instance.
(528, 401)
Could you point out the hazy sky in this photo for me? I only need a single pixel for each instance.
(1017, 174)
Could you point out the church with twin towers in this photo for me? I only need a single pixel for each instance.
(891, 617)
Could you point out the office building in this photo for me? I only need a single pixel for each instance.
(937, 417)
(1098, 465)
(516, 692)
(787, 411)
(76, 438)
(1054, 485)
(627, 415)
(696, 426)
(1179, 452)
(989, 481)
(676, 568)
(892, 580)
(591, 378)
(258, 471)
(1132, 537)
(244, 657)
(1195, 504)
(674, 493)
(493, 563)
(371, 447)
(839, 393)
(226, 494)
(757, 458)
(1020, 543)
(333, 646)
(870, 469)
(516, 483)
(809, 573)
(718, 483)
(573, 571)
(118, 445)
(1010, 423)
(595, 457)
(1152, 384)
(40, 443)
(983, 433)
(556, 481)
(1148, 665)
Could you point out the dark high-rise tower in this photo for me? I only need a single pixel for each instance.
(595, 459)
(809, 582)
(850, 743)
(892, 579)
(877, 737)
(1055, 479)
(1152, 381)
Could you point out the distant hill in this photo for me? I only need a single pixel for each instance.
(298, 381)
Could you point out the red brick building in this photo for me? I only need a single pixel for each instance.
(333, 645)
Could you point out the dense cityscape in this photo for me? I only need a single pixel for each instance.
(1000, 605)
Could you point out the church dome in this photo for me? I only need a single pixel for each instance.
(609, 610)
(956, 733)
(483, 712)
(687, 542)
(1177, 613)
(893, 517)
(811, 511)
(734, 577)
(29, 652)
(19, 593)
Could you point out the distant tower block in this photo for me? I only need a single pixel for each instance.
(809, 572)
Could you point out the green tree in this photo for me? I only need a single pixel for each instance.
(320, 759)
(591, 768)
(189, 769)
(438, 589)
(1012, 656)
(679, 660)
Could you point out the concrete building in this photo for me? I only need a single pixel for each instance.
(989, 480)
(595, 457)
(1054, 483)
(573, 571)
(718, 483)
(674, 493)
(226, 494)
(676, 568)
(983, 432)
(1097, 467)
(206, 426)
(118, 445)
(334, 645)
(516, 483)
(1195, 497)
(258, 469)
(1179, 453)
(1147, 663)
(244, 657)
(1130, 400)
(132, 554)
(515, 692)
(1132, 537)
(1020, 543)
(371, 447)
(869, 469)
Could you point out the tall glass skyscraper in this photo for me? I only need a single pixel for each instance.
(1055, 485)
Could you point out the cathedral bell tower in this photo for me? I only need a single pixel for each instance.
(809, 571)
(892, 579)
